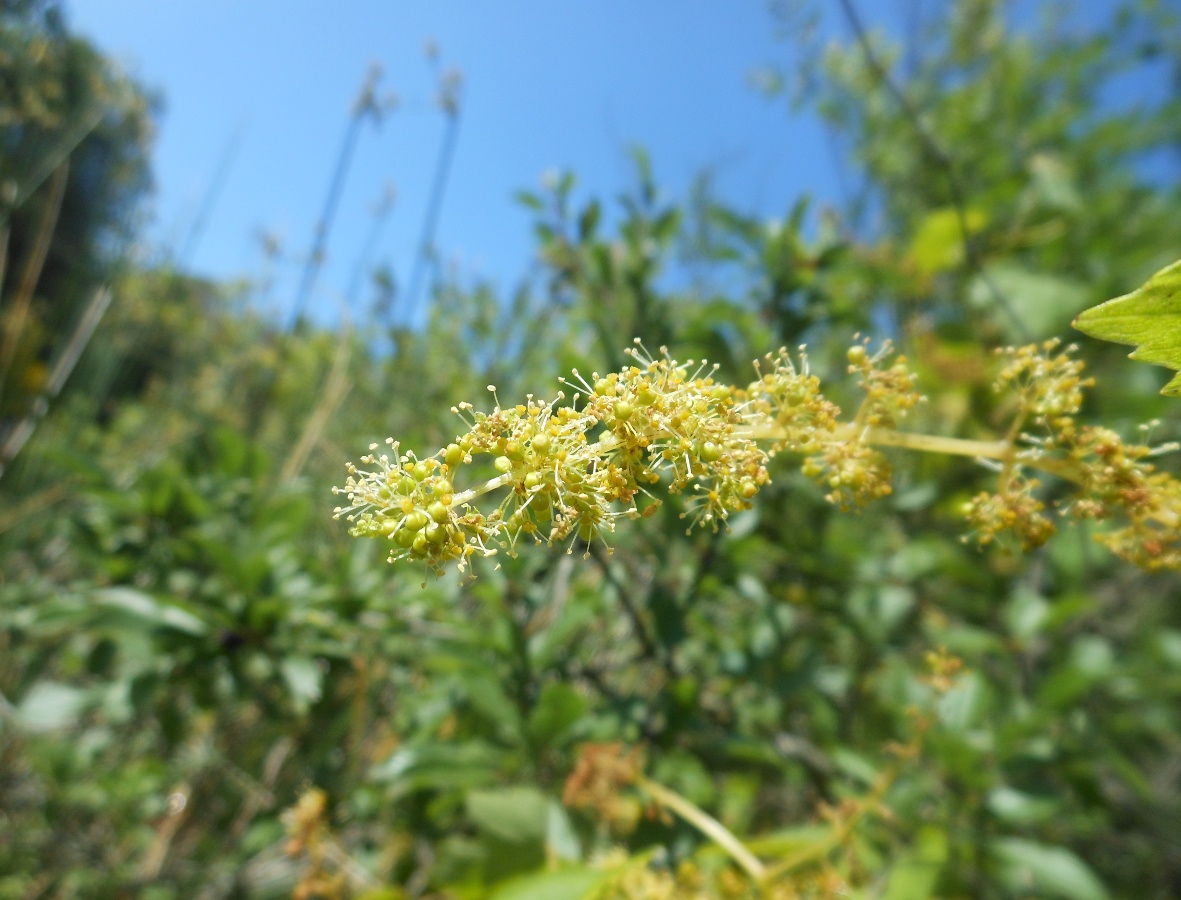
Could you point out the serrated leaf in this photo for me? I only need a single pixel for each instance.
(1149, 318)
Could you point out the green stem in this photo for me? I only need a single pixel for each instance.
(1001, 450)
(487, 487)
(707, 825)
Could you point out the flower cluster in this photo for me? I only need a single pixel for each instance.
(600, 777)
(1113, 477)
(568, 471)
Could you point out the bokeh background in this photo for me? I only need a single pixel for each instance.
(241, 242)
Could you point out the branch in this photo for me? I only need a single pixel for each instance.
(942, 159)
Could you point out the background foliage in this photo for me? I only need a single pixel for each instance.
(189, 643)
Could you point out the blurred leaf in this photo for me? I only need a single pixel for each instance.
(914, 875)
(304, 678)
(456, 766)
(514, 814)
(560, 837)
(565, 884)
(49, 706)
(588, 221)
(137, 609)
(1149, 317)
(938, 243)
(1055, 871)
(1042, 303)
(558, 709)
(1026, 613)
(1020, 808)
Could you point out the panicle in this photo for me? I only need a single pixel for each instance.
(570, 470)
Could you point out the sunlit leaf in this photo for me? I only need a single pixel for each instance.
(938, 244)
(1149, 317)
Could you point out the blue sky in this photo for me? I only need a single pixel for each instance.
(548, 86)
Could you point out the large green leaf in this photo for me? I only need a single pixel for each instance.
(1149, 317)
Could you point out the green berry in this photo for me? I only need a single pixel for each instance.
(453, 455)
(856, 355)
(623, 411)
(541, 443)
(439, 512)
(503, 464)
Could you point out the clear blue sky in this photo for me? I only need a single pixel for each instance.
(548, 86)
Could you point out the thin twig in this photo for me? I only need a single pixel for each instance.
(364, 106)
(22, 301)
(32, 505)
(647, 643)
(944, 161)
(19, 436)
(336, 386)
(426, 250)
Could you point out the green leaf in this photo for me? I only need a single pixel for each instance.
(1012, 805)
(559, 708)
(566, 884)
(49, 706)
(1149, 318)
(1042, 303)
(304, 679)
(516, 814)
(938, 243)
(913, 877)
(561, 839)
(133, 608)
(1053, 871)
(441, 766)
